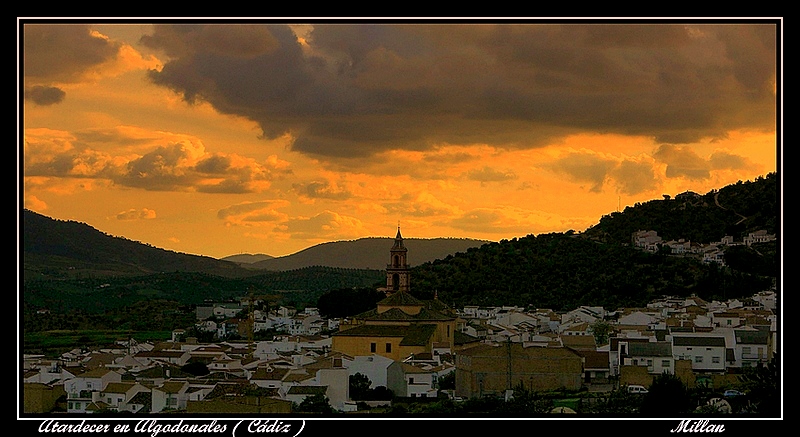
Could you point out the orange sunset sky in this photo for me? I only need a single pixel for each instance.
(269, 137)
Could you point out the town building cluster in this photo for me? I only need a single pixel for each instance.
(407, 346)
(709, 252)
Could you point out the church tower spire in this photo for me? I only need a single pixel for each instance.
(398, 271)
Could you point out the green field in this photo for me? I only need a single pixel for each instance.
(56, 342)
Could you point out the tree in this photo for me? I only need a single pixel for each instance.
(601, 330)
(316, 403)
(618, 402)
(667, 396)
(196, 368)
(359, 387)
(447, 382)
(762, 387)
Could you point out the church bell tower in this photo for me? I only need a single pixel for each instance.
(397, 271)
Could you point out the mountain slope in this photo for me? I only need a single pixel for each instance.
(601, 267)
(247, 258)
(63, 249)
(367, 253)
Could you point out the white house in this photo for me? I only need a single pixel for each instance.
(706, 352)
(655, 355)
(406, 380)
(375, 367)
(637, 318)
(171, 395)
(752, 347)
(84, 389)
(116, 395)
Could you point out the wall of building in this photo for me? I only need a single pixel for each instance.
(486, 371)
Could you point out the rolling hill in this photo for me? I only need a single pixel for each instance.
(364, 253)
(59, 249)
(596, 267)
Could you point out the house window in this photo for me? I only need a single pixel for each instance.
(388, 347)
(373, 347)
(411, 380)
(664, 363)
(715, 360)
(746, 350)
(649, 362)
(698, 359)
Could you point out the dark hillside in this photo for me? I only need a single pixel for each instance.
(734, 210)
(601, 266)
(564, 271)
(63, 249)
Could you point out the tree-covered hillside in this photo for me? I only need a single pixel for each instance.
(562, 271)
(732, 210)
(601, 267)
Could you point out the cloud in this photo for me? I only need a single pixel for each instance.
(322, 190)
(324, 226)
(633, 177)
(45, 95)
(182, 164)
(34, 203)
(488, 174)
(61, 54)
(683, 162)
(357, 90)
(722, 160)
(254, 213)
(423, 204)
(499, 221)
(584, 167)
(136, 214)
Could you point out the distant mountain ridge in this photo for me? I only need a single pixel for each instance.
(363, 253)
(247, 258)
(60, 249)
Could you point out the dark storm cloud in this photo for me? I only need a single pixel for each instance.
(60, 54)
(356, 90)
(45, 95)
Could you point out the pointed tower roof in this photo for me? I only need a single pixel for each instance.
(398, 241)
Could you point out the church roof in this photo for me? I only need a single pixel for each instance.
(396, 314)
(413, 335)
(401, 298)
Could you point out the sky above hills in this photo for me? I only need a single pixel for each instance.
(217, 139)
